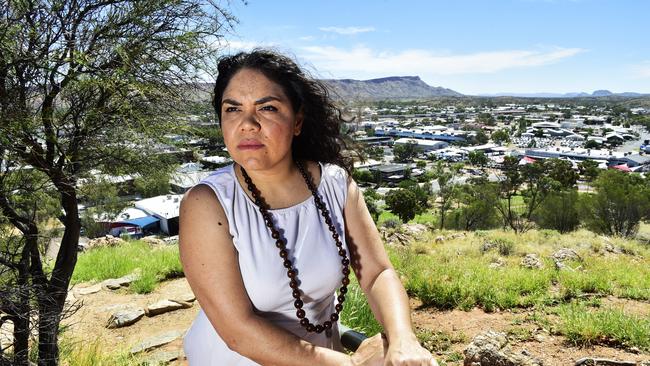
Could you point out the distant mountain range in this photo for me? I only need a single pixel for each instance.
(597, 93)
(393, 87)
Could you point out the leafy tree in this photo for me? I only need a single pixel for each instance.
(561, 171)
(476, 211)
(481, 137)
(486, 118)
(589, 169)
(363, 175)
(421, 194)
(153, 184)
(477, 158)
(405, 152)
(90, 84)
(403, 203)
(448, 190)
(621, 201)
(500, 136)
(592, 144)
(559, 211)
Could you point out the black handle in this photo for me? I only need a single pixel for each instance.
(350, 339)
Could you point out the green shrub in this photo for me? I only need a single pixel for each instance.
(584, 326)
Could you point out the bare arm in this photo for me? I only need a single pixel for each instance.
(376, 275)
(210, 263)
(379, 281)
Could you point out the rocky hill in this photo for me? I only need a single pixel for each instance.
(394, 87)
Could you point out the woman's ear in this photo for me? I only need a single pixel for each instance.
(300, 117)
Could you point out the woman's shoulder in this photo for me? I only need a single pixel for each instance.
(334, 171)
(220, 176)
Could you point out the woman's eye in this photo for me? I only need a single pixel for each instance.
(269, 108)
(231, 109)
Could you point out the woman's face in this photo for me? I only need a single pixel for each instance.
(258, 121)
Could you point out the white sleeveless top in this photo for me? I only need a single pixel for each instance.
(311, 249)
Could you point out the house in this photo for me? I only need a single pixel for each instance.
(165, 208)
(425, 145)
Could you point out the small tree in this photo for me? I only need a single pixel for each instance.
(477, 158)
(589, 169)
(403, 203)
(405, 152)
(448, 190)
(500, 136)
(621, 201)
(559, 211)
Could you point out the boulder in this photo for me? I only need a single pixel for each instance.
(124, 318)
(162, 307)
(153, 241)
(498, 263)
(157, 341)
(491, 349)
(415, 229)
(161, 358)
(89, 290)
(104, 241)
(186, 298)
(590, 361)
(565, 254)
(116, 283)
(531, 261)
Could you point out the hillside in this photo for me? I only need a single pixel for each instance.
(394, 87)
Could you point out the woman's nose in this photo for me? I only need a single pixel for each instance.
(250, 122)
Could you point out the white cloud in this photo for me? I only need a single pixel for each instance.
(347, 30)
(367, 62)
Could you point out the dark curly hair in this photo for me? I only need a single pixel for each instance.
(320, 138)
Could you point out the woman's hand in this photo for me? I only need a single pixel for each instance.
(408, 352)
(371, 352)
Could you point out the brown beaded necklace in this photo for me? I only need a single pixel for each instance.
(280, 243)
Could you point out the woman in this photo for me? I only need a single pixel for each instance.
(266, 242)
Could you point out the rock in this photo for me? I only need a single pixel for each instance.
(171, 240)
(491, 349)
(157, 341)
(104, 241)
(566, 254)
(415, 229)
(488, 245)
(124, 318)
(153, 241)
(612, 249)
(162, 307)
(498, 263)
(187, 298)
(116, 283)
(590, 361)
(439, 239)
(392, 237)
(635, 350)
(531, 261)
(89, 290)
(559, 265)
(161, 358)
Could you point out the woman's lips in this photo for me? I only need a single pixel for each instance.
(250, 145)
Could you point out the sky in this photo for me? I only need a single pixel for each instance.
(471, 46)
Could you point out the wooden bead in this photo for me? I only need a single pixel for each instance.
(300, 313)
(298, 304)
